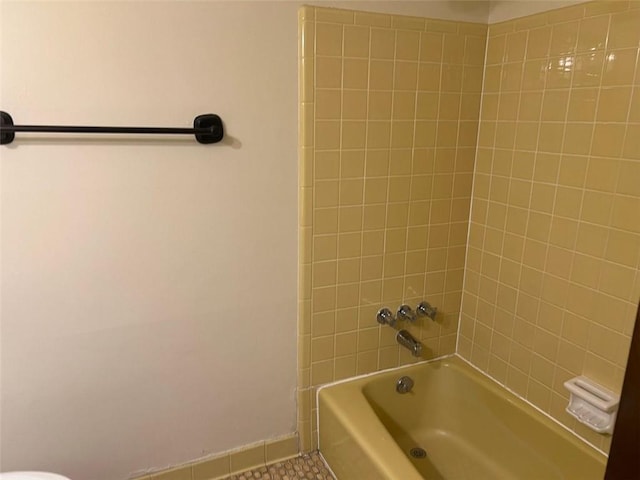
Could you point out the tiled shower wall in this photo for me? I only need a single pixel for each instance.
(551, 280)
(389, 120)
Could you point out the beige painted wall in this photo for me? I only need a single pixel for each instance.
(149, 287)
(148, 301)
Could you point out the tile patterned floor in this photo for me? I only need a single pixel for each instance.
(306, 467)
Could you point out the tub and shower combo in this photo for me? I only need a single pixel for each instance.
(444, 420)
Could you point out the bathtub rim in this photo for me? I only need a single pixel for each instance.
(495, 383)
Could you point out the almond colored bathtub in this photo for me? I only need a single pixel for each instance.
(469, 427)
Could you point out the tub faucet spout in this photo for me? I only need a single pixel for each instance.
(404, 338)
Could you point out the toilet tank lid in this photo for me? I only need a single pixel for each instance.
(31, 476)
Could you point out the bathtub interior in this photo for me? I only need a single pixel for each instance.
(468, 427)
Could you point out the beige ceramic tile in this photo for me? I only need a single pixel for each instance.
(183, 473)
(215, 468)
(385, 223)
(575, 98)
(278, 450)
(334, 15)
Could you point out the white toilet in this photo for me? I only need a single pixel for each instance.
(31, 476)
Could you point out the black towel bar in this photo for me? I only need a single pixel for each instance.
(207, 128)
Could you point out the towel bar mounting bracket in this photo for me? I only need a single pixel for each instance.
(5, 136)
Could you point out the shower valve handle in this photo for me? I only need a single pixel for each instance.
(406, 313)
(425, 309)
(385, 317)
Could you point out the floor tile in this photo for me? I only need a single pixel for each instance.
(305, 467)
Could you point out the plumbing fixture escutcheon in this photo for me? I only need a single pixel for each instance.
(404, 384)
(385, 317)
(404, 338)
(424, 309)
(406, 313)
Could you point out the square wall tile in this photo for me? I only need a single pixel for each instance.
(567, 204)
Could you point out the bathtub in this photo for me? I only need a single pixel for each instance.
(455, 423)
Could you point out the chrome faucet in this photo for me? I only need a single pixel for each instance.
(425, 309)
(385, 317)
(405, 313)
(404, 338)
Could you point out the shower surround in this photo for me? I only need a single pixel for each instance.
(389, 120)
(551, 278)
(393, 141)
